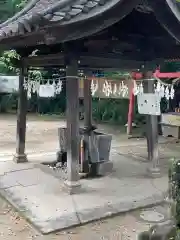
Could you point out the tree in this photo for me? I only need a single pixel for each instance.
(10, 7)
(6, 62)
(7, 9)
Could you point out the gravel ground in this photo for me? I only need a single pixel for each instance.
(124, 227)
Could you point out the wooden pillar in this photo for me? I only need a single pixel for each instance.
(87, 104)
(88, 127)
(151, 130)
(72, 114)
(20, 156)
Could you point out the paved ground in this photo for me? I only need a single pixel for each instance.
(39, 195)
(43, 135)
(125, 227)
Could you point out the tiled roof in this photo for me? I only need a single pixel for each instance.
(41, 13)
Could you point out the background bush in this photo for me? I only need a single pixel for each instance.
(104, 110)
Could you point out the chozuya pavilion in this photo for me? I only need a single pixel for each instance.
(87, 35)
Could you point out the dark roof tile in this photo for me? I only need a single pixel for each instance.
(36, 11)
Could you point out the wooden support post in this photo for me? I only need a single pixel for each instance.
(20, 156)
(87, 104)
(72, 113)
(87, 123)
(152, 131)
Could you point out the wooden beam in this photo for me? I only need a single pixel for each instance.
(44, 60)
(89, 61)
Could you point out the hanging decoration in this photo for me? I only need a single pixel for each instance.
(58, 87)
(49, 88)
(138, 88)
(44, 88)
(172, 92)
(109, 88)
(94, 87)
(161, 89)
(123, 89)
(135, 89)
(31, 87)
(115, 89)
(164, 90)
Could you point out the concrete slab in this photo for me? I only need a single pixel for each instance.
(29, 177)
(38, 195)
(41, 156)
(7, 181)
(108, 196)
(11, 166)
(45, 209)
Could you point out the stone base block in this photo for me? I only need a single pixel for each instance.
(72, 187)
(20, 158)
(100, 169)
(154, 172)
(173, 131)
(105, 168)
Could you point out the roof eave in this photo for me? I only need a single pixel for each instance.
(60, 32)
(168, 14)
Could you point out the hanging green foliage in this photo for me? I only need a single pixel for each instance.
(6, 62)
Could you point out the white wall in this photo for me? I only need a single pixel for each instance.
(9, 84)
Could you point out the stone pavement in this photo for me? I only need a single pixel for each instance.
(40, 156)
(122, 227)
(39, 197)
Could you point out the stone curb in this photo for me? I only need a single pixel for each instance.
(83, 216)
